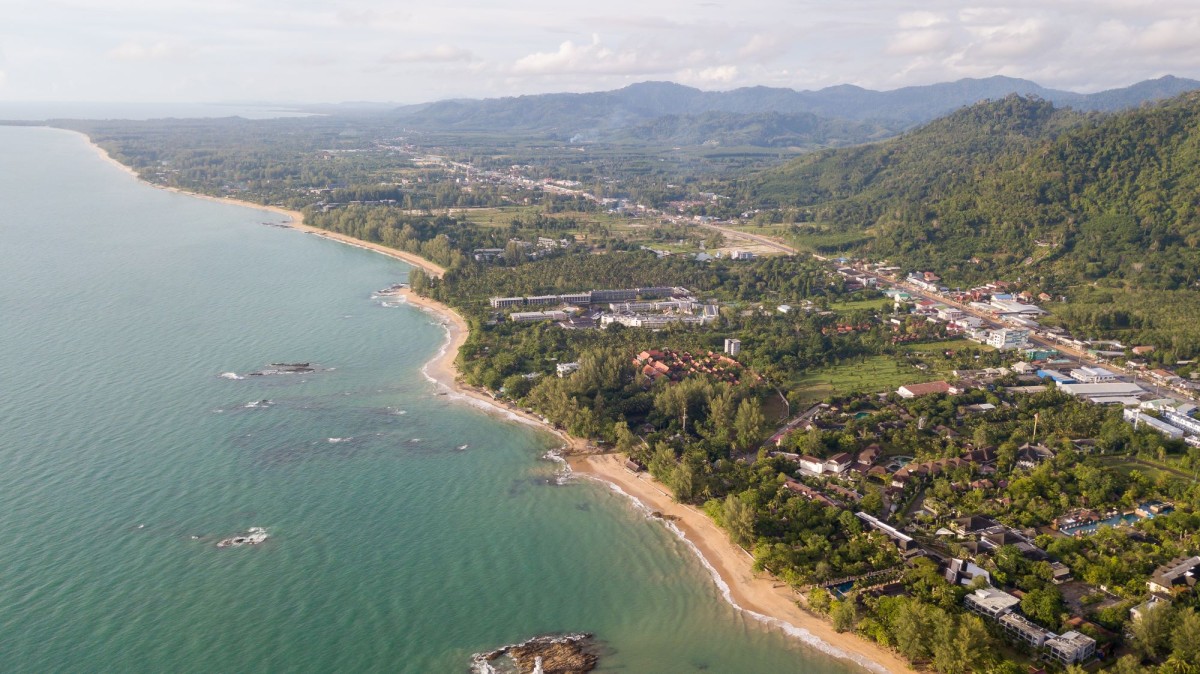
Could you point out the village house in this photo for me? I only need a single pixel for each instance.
(1176, 576)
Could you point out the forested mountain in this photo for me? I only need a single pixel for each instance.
(1104, 208)
(840, 115)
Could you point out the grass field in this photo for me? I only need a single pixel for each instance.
(873, 375)
(881, 303)
(948, 345)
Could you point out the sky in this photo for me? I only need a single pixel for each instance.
(406, 52)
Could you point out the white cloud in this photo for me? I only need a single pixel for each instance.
(574, 58)
(714, 76)
(917, 42)
(921, 20)
(761, 46)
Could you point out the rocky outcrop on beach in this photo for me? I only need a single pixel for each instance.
(546, 654)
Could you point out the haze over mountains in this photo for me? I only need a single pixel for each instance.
(668, 113)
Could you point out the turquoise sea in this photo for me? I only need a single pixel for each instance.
(407, 530)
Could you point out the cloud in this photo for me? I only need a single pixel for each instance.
(918, 42)
(716, 75)
(440, 54)
(136, 51)
(761, 46)
(913, 20)
(571, 58)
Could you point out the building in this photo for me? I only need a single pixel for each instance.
(1137, 418)
(1093, 375)
(505, 302)
(733, 346)
(918, 390)
(812, 464)
(1008, 338)
(1055, 376)
(1111, 393)
(1070, 648)
(963, 572)
(838, 463)
(1020, 628)
(1182, 421)
(901, 539)
(565, 369)
(988, 601)
(535, 316)
(1007, 306)
(1177, 575)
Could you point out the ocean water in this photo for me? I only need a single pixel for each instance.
(408, 530)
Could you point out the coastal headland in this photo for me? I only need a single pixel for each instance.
(759, 595)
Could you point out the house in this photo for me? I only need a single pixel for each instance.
(812, 464)
(1029, 456)
(1153, 603)
(1176, 576)
(918, 390)
(565, 369)
(966, 526)
(990, 602)
(634, 466)
(963, 572)
(838, 463)
(1071, 647)
(809, 493)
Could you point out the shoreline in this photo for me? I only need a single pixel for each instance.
(760, 596)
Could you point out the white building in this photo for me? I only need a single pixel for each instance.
(1092, 375)
(1008, 338)
(733, 346)
(990, 602)
(1136, 418)
(1071, 647)
(565, 369)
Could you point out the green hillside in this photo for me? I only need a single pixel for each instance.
(1081, 205)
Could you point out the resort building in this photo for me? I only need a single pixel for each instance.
(1070, 648)
(1176, 576)
(1020, 628)
(989, 602)
(535, 316)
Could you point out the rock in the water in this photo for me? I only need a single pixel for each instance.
(559, 654)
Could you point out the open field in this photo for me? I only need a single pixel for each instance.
(948, 345)
(881, 303)
(872, 375)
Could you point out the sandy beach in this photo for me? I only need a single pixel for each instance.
(761, 596)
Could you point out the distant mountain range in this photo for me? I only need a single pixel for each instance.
(671, 114)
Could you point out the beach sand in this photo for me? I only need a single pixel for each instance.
(760, 595)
